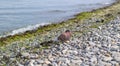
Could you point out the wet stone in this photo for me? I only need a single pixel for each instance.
(107, 58)
(25, 54)
(39, 61)
(45, 65)
(116, 56)
(114, 48)
(54, 64)
(34, 56)
(93, 60)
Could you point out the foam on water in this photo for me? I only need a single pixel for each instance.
(22, 30)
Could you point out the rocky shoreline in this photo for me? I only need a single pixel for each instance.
(95, 42)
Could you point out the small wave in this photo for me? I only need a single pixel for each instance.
(106, 3)
(22, 30)
(57, 11)
(83, 5)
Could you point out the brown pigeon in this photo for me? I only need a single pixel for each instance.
(65, 36)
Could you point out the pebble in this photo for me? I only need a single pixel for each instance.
(64, 51)
(38, 65)
(44, 65)
(107, 58)
(39, 61)
(93, 60)
(114, 48)
(34, 56)
(104, 63)
(25, 54)
(54, 64)
(76, 61)
(31, 63)
(116, 56)
(47, 62)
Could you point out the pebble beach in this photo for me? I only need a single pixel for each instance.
(94, 42)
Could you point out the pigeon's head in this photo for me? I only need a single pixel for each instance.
(68, 32)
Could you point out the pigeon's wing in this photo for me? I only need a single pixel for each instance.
(62, 37)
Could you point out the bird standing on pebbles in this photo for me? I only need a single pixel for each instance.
(65, 36)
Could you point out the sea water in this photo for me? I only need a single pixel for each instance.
(20, 15)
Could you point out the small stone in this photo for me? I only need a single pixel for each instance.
(34, 56)
(108, 64)
(45, 65)
(116, 56)
(25, 54)
(107, 58)
(83, 64)
(12, 59)
(74, 64)
(64, 60)
(114, 48)
(75, 52)
(113, 42)
(19, 64)
(98, 45)
(107, 54)
(47, 62)
(22, 48)
(54, 64)
(6, 57)
(91, 43)
(76, 58)
(59, 63)
(105, 63)
(64, 51)
(64, 64)
(90, 39)
(100, 27)
(118, 12)
(31, 63)
(93, 60)
(67, 61)
(76, 61)
(39, 61)
(51, 59)
(1, 57)
(38, 65)
(98, 21)
(115, 63)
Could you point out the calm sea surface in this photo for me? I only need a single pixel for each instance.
(16, 14)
